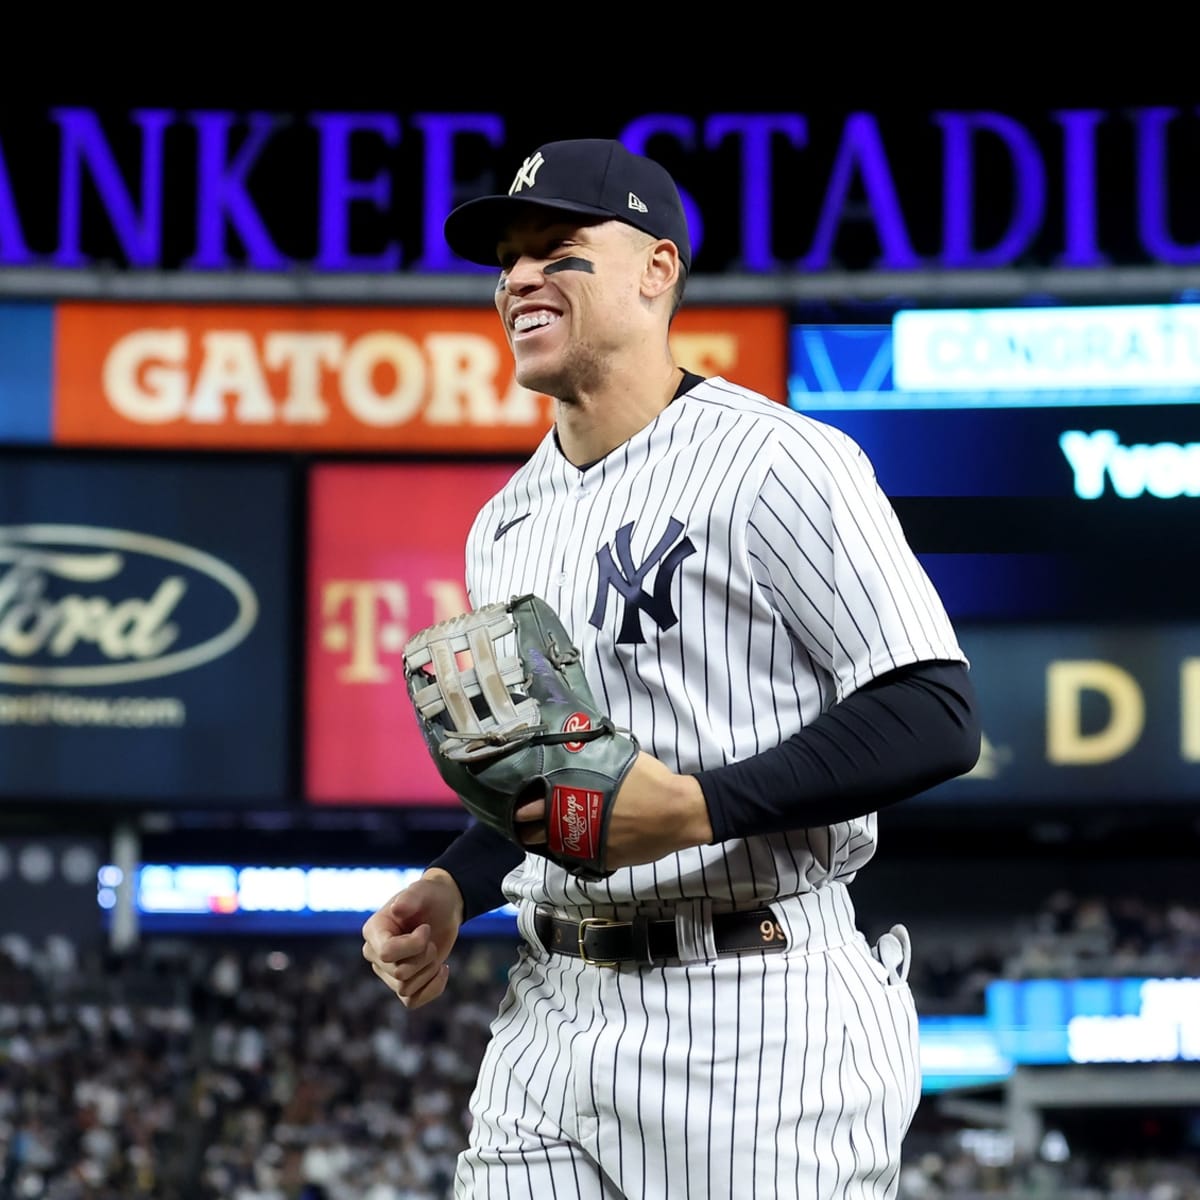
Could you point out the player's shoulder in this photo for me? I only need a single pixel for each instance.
(721, 395)
(784, 426)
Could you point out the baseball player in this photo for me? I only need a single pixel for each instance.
(707, 1020)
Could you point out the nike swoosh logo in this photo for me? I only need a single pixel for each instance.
(503, 529)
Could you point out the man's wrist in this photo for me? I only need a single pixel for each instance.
(691, 810)
(442, 877)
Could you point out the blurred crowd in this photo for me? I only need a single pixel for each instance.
(206, 1069)
(965, 1169)
(1068, 936)
(239, 1071)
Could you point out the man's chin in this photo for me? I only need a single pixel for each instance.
(546, 382)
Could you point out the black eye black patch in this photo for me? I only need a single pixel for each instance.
(570, 264)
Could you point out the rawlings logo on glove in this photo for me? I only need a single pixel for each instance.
(505, 728)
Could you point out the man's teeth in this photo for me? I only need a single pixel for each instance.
(532, 320)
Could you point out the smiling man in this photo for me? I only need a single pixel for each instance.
(705, 1019)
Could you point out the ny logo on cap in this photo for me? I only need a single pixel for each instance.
(526, 176)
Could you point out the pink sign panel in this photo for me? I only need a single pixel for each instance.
(385, 559)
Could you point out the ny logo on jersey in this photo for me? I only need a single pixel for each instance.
(627, 579)
(527, 175)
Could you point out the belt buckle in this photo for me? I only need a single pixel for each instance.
(596, 922)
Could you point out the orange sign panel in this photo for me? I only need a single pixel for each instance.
(369, 379)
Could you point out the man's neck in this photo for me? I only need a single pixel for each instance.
(593, 425)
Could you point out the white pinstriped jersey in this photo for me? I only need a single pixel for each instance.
(728, 573)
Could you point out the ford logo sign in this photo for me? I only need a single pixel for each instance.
(83, 606)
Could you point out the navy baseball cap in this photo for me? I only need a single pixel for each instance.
(589, 176)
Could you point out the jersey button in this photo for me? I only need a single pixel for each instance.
(562, 579)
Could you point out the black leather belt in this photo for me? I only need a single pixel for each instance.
(606, 943)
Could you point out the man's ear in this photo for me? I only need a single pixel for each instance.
(661, 270)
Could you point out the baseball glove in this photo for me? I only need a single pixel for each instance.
(505, 728)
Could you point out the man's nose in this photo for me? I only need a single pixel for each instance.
(525, 274)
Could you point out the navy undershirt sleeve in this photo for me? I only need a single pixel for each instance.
(899, 735)
(478, 859)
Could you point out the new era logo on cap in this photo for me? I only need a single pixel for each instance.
(589, 178)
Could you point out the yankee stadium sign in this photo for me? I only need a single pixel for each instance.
(328, 192)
